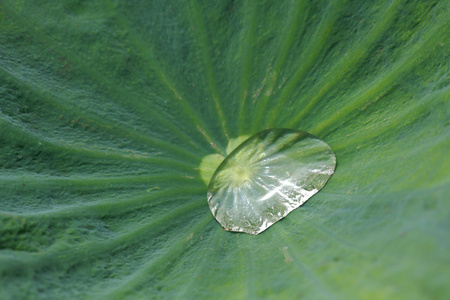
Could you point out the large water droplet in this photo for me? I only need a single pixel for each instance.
(266, 177)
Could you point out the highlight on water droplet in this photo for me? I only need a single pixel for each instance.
(266, 177)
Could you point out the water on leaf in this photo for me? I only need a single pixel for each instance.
(268, 176)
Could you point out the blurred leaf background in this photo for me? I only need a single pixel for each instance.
(108, 108)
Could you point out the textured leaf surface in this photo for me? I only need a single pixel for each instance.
(109, 107)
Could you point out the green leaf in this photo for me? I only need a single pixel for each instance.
(108, 108)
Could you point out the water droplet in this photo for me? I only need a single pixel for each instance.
(266, 177)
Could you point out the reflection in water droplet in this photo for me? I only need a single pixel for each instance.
(266, 177)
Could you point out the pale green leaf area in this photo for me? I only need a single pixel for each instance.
(107, 109)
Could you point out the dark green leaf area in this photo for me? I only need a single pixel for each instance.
(19, 234)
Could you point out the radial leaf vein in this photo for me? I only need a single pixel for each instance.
(207, 255)
(154, 267)
(246, 51)
(348, 62)
(114, 208)
(93, 249)
(88, 152)
(307, 272)
(147, 53)
(386, 80)
(202, 39)
(117, 128)
(120, 96)
(307, 59)
(405, 117)
(295, 23)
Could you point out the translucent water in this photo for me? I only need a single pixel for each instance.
(266, 177)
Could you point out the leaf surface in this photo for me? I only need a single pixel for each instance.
(107, 109)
